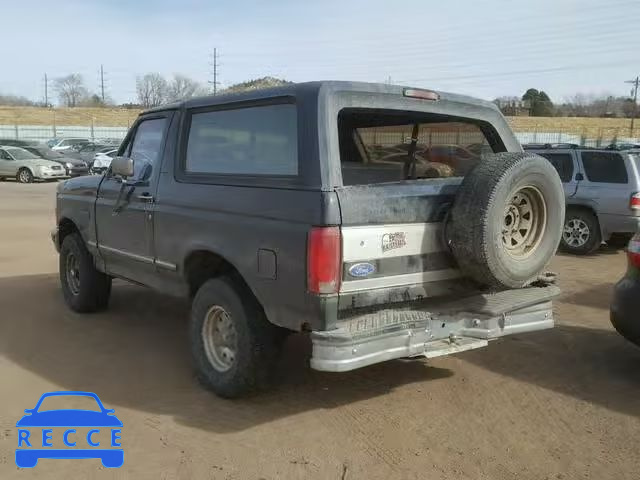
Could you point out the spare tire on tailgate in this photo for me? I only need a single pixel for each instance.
(506, 221)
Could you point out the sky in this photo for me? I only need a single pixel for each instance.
(484, 48)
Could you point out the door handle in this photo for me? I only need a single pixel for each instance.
(145, 197)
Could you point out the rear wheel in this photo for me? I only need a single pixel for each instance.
(581, 233)
(85, 289)
(24, 175)
(234, 347)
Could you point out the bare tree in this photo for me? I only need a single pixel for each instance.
(181, 88)
(591, 105)
(70, 89)
(151, 89)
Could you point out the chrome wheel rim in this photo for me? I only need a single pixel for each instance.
(524, 222)
(219, 338)
(73, 273)
(576, 232)
(24, 176)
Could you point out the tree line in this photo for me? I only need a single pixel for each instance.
(536, 103)
(153, 89)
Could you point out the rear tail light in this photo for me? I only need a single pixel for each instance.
(634, 201)
(633, 251)
(324, 256)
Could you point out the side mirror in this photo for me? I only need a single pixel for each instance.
(28, 410)
(122, 166)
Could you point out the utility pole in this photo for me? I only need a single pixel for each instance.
(635, 101)
(102, 82)
(214, 64)
(46, 91)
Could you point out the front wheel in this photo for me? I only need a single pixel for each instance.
(581, 232)
(85, 288)
(24, 176)
(233, 345)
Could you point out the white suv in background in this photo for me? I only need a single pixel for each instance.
(602, 191)
(102, 161)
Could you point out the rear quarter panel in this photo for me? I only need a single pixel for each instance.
(236, 223)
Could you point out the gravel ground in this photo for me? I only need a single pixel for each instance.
(558, 404)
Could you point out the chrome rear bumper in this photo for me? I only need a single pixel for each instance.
(432, 329)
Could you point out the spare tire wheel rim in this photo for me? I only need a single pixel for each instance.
(524, 222)
(576, 232)
(219, 338)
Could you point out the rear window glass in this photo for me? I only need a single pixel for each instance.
(563, 163)
(248, 141)
(605, 167)
(375, 147)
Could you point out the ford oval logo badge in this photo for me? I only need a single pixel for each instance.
(361, 269)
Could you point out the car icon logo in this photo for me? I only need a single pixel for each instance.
(94, 433)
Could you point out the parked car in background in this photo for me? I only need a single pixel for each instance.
(624, 146)
(602, 191)
(625, 306)
(102, 161)
(12, 142)
(109, 141)
(67, 143)
(86, 151)
(53, 141)
(433, 161)
(26, 167)
(73, 166)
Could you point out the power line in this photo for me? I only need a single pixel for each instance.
(214, 63)
(635, 101)
(46, 90)
(102, 82)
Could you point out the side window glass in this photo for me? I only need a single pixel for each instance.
(261, 140)
(146, 146)
(563, 163)
(604, 167)
(4, 155)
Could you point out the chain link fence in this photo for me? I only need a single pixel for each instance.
(589, 137)
(41, 133)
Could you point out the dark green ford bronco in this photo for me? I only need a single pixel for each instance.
(384, 221)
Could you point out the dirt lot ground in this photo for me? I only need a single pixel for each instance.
(558, 404)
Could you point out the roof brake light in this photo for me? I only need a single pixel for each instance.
(422, 94)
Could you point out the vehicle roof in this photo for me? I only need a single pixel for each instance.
(543, 148)
(11, 147)
(311, 88)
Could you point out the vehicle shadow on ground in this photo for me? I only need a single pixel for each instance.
(604, 249)
(593, 365)
(136, 355)
(598, 296)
